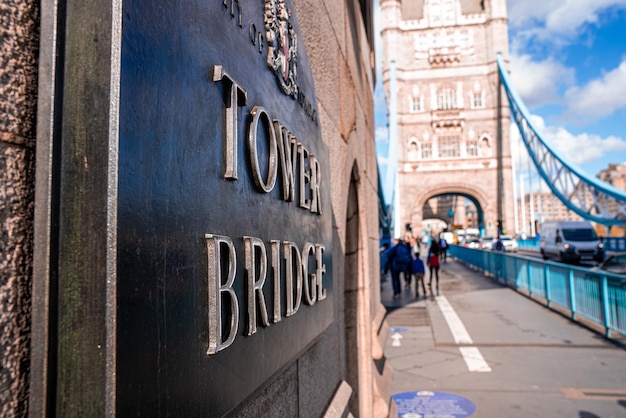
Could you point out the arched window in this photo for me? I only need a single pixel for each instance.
(485, 146)
(446, 98)
(471, 147)
(426, 147)
(415, 103)
(449, 146)
(477, 96)
(441, 10)
(413, 149)
(448, 10)
(471, 144)
(435, 10)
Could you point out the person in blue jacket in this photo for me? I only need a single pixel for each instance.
(418, 270)
(398, 261)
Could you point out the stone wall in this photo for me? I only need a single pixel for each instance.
(19, 33)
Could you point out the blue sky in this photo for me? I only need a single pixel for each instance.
(568, 64)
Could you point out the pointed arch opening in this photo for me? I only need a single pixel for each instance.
(351, 294)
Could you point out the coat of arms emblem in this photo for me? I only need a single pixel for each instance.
(282, 41)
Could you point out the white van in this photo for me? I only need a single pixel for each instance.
(570, 241)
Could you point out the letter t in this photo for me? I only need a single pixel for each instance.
(236, 97)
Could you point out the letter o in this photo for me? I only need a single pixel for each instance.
(258, 113)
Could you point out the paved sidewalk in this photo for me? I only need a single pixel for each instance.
(535, 363)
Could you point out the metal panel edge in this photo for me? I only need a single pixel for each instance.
(39, 373)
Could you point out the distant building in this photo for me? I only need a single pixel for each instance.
(537, 208)
(615, 175)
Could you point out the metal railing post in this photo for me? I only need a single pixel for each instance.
(493, 264)
(546, 275)
(505, 269)
(606, 313)
(572, 296)
(528, 279)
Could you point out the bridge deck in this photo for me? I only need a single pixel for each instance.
(528, 361)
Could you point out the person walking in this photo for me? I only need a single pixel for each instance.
(498, 245)
(444, 249)
(383, 262)
(433, 264)
(407, 272)
(416, 247)
(398, 261)
(418, 271)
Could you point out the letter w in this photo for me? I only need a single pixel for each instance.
(286, 147)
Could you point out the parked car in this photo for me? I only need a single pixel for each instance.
(614, 263)
(473, 243)
(488, 243)
(510, 243)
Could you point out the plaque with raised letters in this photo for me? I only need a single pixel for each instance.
(224, 218)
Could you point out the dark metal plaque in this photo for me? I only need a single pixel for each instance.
(224, 217)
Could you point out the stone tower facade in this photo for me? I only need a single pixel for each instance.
(452, 116)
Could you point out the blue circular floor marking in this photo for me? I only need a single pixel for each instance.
(433, 405)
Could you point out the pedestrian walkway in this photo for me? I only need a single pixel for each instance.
(478, 344)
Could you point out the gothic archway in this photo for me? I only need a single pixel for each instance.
(351, 294)
(423, 207)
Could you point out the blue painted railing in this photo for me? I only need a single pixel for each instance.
(615, 244)
(528, 244)
(596, 296)
(611, 244)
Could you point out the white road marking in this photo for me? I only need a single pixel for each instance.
(472, 356)
(474, 360)
(460, 334)
(396, 340)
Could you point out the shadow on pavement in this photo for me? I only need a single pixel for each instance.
(454, 277)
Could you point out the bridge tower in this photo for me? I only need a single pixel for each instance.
(452, 116)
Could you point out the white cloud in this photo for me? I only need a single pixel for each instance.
(538, 82)
(575, 148)
(382, 135)
(582, 149)
(599, 98)
(524, 13)
(556, 20)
